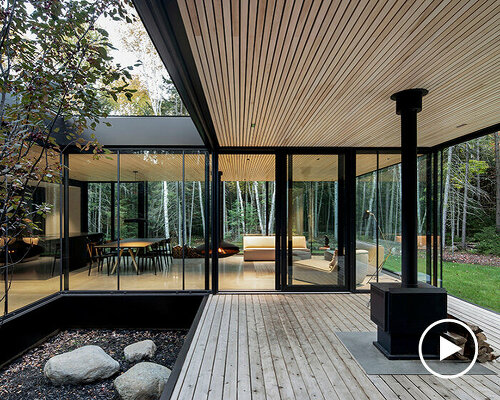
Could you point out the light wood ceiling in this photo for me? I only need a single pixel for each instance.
(149, 166)
(320, 73)
(305, 167)
(234, 167)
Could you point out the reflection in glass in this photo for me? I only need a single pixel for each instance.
(247, 246)
(378, 219)
(36, 254)
(313, 250)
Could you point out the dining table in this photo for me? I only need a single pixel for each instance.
(133, 246)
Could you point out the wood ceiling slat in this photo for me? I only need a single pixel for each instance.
(320, 73)
(149, 166)
(427, 99)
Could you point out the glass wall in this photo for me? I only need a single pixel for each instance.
(92, 221)
(470, 220)
(378, 218)
(314, 256)
(247, 207)
(138, 221)
(34, 254)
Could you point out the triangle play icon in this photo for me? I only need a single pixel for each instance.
(446, 348)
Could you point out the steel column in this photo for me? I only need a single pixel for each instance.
(408, 104)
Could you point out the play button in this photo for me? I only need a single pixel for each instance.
(447, 348)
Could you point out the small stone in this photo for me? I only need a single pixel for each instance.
(144, 381)
(84, 365)
(140, 350)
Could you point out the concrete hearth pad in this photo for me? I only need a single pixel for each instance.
(360, 345)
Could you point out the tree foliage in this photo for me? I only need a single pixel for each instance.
(55, 70)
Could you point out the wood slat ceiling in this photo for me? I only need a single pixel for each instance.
(305, 167)
(149, 167)
(320, 73)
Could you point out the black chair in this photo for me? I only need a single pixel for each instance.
(104, 254)
(98, 254)
(163, 253)
(150, 257)
(57, 256)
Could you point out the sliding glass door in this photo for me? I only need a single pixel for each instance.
(315, 251)
(247, 242)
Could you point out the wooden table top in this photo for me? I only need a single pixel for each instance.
(131, 243)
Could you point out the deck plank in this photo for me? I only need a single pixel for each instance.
(284, 346)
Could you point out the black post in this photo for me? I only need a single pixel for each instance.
(281, 265)
(65, 250)
(408, 104)
(208, 215)
(429, 199)
(215, 222)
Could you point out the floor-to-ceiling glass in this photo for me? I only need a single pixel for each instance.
(247, 243)
(315, 251)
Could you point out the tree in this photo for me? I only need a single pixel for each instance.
(161, 93)
(55, 70)
(497, 180)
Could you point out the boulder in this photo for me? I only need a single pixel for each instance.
(83, 365)
(144, 381)
(140, 350)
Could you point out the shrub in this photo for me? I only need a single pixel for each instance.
(488, 241)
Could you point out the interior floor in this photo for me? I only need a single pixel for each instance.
(235, 274)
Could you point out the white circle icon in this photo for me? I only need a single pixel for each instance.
(447, 352)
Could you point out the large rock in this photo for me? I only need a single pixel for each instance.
(144, 381)
(83, 365)
(140, 350)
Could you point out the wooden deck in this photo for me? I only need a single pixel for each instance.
(283, 346)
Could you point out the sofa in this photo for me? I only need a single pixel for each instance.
(372, 252)
(263, 248)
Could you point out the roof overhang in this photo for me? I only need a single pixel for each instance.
(320, 73)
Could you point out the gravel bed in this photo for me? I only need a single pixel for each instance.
(23, 379)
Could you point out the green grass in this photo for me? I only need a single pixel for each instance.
(479, 284)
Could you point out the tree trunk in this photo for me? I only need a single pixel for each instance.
(370, 203)
(165, 209)
(452, 228)
(242, 209)
(363, 207)
(202, 207)
(224, 216)
(271, 212)
(335, 209)
(478, 175)
(446, 196)
(192, 212)
(497, 173)
(257, 205)
(328, 207)
(466, 189)
(179, 221)
(390, 225)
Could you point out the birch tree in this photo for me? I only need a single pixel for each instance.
(466, 190)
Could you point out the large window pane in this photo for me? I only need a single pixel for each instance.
(378, 219)
(247, 207)
(35, 254)
(313, 240)
(470, 209)
(92, 221)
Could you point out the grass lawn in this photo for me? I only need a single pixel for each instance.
(479, 284)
